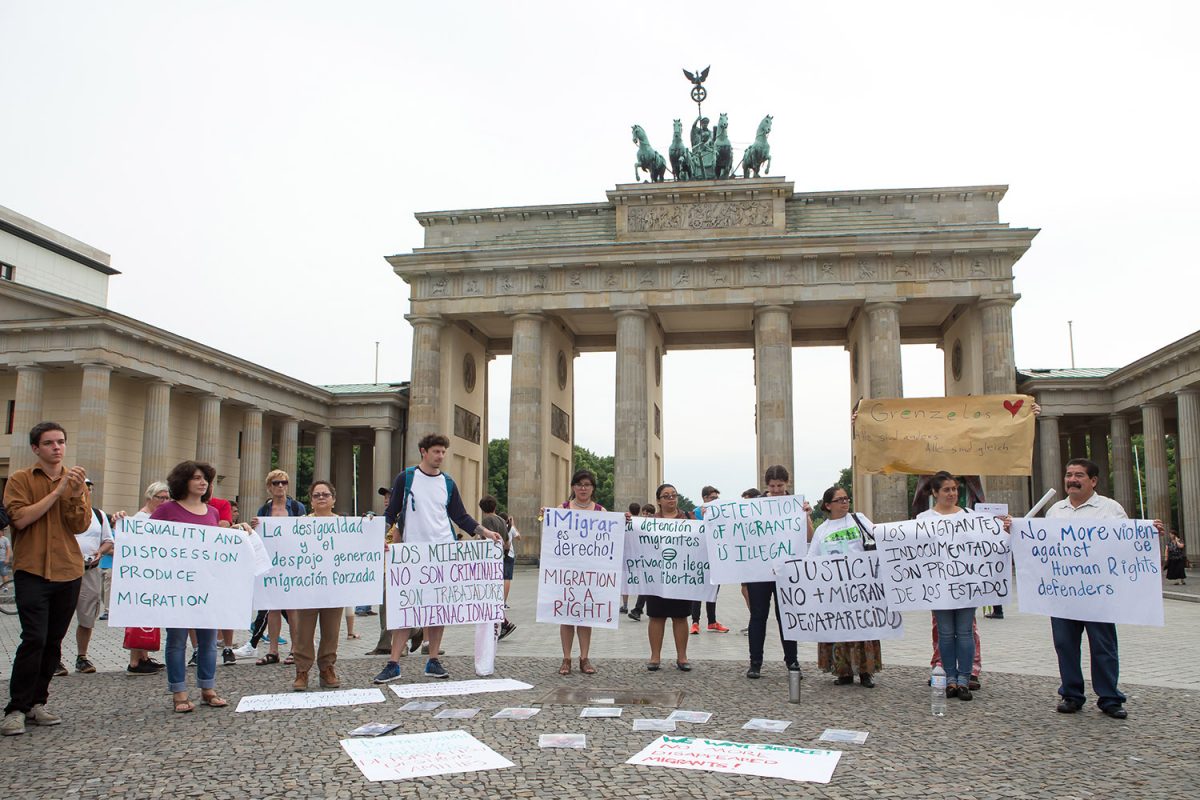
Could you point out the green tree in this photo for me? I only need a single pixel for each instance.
(497, 484)
(601, 466)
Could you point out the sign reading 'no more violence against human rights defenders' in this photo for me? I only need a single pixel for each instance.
(321, 562)
(667, 558)
(984, 435)
(444, 583)
(579, 576)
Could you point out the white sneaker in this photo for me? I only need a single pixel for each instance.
(13, 725)
(246, 651)
(40, 715)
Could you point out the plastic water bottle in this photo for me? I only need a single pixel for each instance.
(937, 692)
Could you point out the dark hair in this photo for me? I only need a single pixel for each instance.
(433, 440)
(658, 492)
(827, 498)
(315, 484)
(177, 480)
(939, 478)
(1093, 471)
(42, 428)
(635, 508)
(487, 504)
(751, 493)
(777, 472)
(580, 474)
(708, 490)
(234, 503)
(384, 491)
(650, 508)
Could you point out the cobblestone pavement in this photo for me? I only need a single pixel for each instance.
(121, 739)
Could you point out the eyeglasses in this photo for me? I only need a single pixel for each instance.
(668, 497)
(585, 485)
(162, 497)
(320, 495)
(279, 483)
(840, 500)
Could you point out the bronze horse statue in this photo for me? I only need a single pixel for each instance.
(648, 159)
(681, 157)
(724, 147)
(758, 154)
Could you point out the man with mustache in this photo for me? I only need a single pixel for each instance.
(1082, 502)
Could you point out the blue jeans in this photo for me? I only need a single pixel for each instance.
(956, 643)
(206, 658)
(1102, 643)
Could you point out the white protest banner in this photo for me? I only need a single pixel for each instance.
(952, 561)
(445, 583)
(294, 700)
(415, 755)
(1096, 570)
(667, 558)
(765, 760)
(179, 575)
(321, 562)
(749, 539)
(579, 577)
(835, 599)
(455, 688)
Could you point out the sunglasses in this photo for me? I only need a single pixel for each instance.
(279, 483)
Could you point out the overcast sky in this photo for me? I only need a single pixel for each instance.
(248, 165)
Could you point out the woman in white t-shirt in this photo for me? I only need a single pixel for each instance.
(845, 532)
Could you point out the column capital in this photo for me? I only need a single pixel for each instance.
(883, 305)
(536, 316)
(1054, 415)
(763, 307)
(29, 368)
(97, 365)
(1188, 391)
(641, 311)
(1008, 300)
(378, 428)
(424, 319)
(1149, 404)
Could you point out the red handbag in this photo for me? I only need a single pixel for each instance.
(142, 639)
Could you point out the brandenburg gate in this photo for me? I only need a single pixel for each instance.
(699, 264)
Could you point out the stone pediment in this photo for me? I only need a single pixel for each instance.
(19, 302)
(701, 209)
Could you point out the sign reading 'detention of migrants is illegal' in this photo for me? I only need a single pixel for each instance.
(321, 562)
(444, 583)
(749, 539)
(579, 577)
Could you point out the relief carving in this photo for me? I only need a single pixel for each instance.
(466, 425)
(560, 424)
(683, 278)
(701, 216)
(439, 286)
(866, 271)
(576, 280)
(539, 281)
(716, 276)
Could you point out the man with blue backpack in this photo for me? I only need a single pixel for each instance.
(423, 504)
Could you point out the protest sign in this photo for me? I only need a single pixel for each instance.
(456, 688)
(579, 577)
(1096, 570)
(321, 562)
(839, 598)
(748, 539)
(516, 713)
(444, 583)
(179, 575)
(294, 700)
(944, 562)
(765, 760)
(415, 755)
(980, 435)
(667, 558)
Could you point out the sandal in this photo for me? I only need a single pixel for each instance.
(213, 700)
(654, 666)
(565, 667)
(683, 666)
(184, 706)
(269, 658)
(585, 666)
(353, 636)
(290, 660)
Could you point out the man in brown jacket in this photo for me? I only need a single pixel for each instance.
(49, 503)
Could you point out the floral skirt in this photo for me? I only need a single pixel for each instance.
(847, 659)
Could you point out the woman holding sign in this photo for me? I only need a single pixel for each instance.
(845, 532)
(583, 484)
(305, 620)
(659, 608)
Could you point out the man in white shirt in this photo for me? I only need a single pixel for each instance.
(94, 543)
(1082, 502)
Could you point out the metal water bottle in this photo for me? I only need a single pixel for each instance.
(793, 685)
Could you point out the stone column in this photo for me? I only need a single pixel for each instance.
(322, 454)
(773, 387)
(1000, 377)
(251, 489)
(289, 442)
(381, 467)
(156, 460)
(630, 467)
(889, 493)
(92, 439)
(1154, 432)
(1187, 459)
(27, 412)
(525, 430)
(1050, 455)
(425, 387)
(343, 474)
(364, 488)
(1099, 450)
(268, 450)
(208, 430)
(1122, 466)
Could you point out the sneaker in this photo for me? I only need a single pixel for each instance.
(695, 628)
(157, 665)
(434, 669)
(103, 616)
(13, 725)
(635, 615)
(390, 672)
(716, 627)
(744, 631)
(623, 610)
(506, 628)
(142, 668)
(227, 656)
(246, 651)
(83, 665)
(192, 660)
(61, 671)
(40, 715)
(755, 670)
(281, 640)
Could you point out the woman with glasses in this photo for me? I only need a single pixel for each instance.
(280, 504)
(583, 486)
(304, 621)
(660, 608)
(845, 532)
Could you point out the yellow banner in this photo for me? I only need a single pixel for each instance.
(985, 435)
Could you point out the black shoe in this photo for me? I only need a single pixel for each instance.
(755, 670)
(142, 668)
(993, 616)
(192, 660)
(227, 656)
(865, 680)
(1068, 707)
(793, 666)
(82, 664)
(1116, 712)
(506, 628)
(635, 615)
(61, 670)
(973, 684)
(964, 693)
(157, 666)
(624, 610)
(844, 680)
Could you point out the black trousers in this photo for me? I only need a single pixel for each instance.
(45, 609)
(761, 594)
(709, 607)
(258, 629)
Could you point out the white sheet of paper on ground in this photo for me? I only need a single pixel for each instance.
(294, 700)
(515, 713)
(841, 735)
(600, 712)
(422, 705)
(766, 760)
(575, 741)
(602, 700)
(695, 717)
(773, 725)
(456, 713)
(454, 688)
(374, 729)
(413, 755)
(661, 725)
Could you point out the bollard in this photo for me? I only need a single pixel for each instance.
(793, 685)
